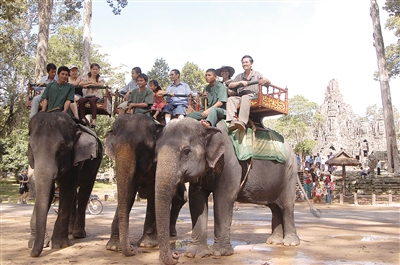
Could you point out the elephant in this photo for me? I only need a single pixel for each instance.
(131, 143)
(205, 157)
(61, 151)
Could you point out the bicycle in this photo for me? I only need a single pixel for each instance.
(94, 205)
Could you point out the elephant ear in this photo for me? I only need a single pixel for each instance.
(214, 145)
(86, 146)
(109, 143)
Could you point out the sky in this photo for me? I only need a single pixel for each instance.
(297, 44)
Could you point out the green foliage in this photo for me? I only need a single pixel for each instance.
(301, 119)
(160, 72)
(14, 150)
(193, 76)
(11, 9)
(305, 147)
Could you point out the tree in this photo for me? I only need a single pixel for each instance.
(45, 9)
(391, 143)
(301, 119)
(160, 72)
(87, 36)
(193, 76)
(120, 4)
(305, 147)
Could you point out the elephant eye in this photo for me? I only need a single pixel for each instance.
(186, 151)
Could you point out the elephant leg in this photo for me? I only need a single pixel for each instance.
(60, 232)
(198, 201)
(113, 243)
(80, 218)
(224, 199)
(72, 216)
(290, 237)
(178, 201)
(149, 237)
(276, 237)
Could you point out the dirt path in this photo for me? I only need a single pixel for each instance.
(345, 234)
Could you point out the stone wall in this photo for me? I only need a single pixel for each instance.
(379, 185)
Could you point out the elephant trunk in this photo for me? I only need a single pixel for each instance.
(167, 179)
(125, 172)
(44, 175)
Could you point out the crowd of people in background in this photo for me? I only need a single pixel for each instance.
(317, 177)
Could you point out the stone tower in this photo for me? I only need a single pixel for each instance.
(343, 131)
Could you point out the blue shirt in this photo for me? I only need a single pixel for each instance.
(129, 87)
(45, 79)
(182, 89)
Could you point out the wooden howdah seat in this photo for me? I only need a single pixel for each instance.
(104, 105)
(272, 101)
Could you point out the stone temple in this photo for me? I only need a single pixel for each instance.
(342, 130)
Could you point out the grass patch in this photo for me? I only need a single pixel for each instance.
(102, 189)
(9, 188)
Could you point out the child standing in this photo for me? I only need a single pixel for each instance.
(159, 102)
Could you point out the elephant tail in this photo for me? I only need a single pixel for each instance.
(314, 211)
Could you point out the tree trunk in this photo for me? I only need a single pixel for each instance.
(391, 144)
(86, 37)
(45, 8)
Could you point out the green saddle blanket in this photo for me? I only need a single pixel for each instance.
(264, 145)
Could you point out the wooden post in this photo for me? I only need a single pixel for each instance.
(343, 180)
(355, 199)
(390, 199)
(373, 199)
(341, 198)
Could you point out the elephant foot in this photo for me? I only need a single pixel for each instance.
(200, 251)
(46, 243)
(129, 251)
(222, 250)
(60, 243)
(148, 241)
(173, 259)
(275, 239)
(172, 231)
(113, 244)
(291, 240)
(79, 233)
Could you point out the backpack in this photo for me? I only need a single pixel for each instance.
(333, 185)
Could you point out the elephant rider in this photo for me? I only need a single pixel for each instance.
(243, 95)
(216, 95)
(127, 90)
(176, 105)
(59, 95)
(141, 99)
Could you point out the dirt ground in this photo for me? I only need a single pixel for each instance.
(345, 234)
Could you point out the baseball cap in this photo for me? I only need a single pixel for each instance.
(73, 66)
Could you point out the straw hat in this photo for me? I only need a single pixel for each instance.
(229, 68)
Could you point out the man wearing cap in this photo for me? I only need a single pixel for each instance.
(127, 90)
(216, 96)
(58, 95)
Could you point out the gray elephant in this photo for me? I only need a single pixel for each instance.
(60, 150)
(131, 143)
(188, 152)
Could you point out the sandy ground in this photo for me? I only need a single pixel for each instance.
(345, 234)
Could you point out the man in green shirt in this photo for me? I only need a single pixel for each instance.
(58, 95)
(217, 96)
(141, 99)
